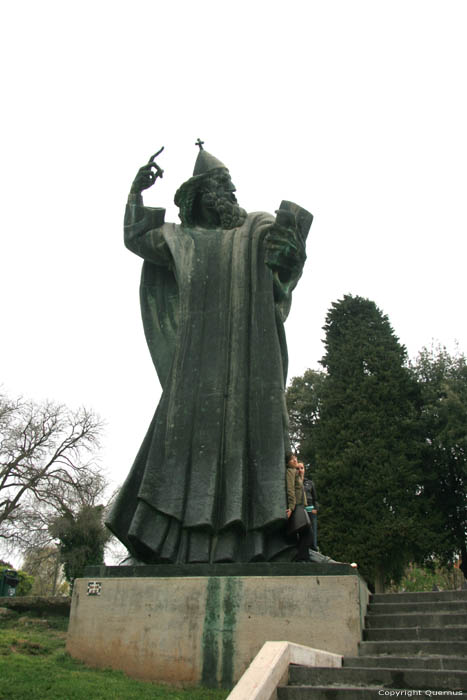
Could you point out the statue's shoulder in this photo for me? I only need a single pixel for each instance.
(260, 215)
(257, 219)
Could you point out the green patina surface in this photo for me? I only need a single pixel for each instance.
(210, 644)
(218, 645)
(232, 597)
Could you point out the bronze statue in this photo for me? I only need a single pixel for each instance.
(208, 483)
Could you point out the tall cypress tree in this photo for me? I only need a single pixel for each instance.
(367, 452)
(303, 404)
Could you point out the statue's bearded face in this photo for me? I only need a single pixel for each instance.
(217, 199)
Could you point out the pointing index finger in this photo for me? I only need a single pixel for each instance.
(156, 154)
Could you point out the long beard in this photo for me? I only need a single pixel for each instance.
(231, 215)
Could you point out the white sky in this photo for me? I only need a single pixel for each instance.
(355, 110)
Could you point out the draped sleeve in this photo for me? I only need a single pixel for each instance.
(146, 235)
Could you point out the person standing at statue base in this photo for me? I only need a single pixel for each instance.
(312, 505)
(299, 522)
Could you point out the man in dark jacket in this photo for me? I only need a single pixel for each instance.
(312, 504)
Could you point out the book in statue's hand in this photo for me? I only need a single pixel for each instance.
(291, 215)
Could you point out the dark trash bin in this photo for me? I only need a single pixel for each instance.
(8, 582)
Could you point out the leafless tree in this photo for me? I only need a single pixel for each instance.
(45, 565)
(48, 467)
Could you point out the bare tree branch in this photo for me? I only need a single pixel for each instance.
(48, 467)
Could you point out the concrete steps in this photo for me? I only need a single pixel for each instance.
(413, 648)
(448, 606)
(422, 597)
(426, 634)
(411, 642)
(442, 619)
(434, 662)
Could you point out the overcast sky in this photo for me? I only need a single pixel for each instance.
(355, 110)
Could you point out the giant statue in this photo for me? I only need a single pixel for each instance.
(208, 483)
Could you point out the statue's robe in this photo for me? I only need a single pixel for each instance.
(208, 484)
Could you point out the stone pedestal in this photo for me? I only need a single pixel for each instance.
(203, 624)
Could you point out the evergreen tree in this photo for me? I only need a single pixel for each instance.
(443, 382)
(82, 539)
(303, 404)
(367, 454)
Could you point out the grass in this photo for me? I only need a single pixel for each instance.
(34, 666)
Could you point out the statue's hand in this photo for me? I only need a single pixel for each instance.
(145, 177)
(283, 249)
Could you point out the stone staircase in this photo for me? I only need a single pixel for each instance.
(411, 642)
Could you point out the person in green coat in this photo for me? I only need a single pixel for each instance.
(296, 497)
